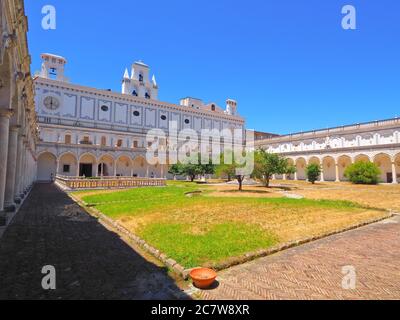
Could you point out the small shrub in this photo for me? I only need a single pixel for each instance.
(363, 173)
(313, 172)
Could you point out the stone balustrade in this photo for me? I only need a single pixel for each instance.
(77, 183)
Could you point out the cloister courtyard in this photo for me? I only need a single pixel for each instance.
(212, 225)
(207, 225)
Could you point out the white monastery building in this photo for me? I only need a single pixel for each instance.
(336, 148)
(90, 132)
(50, 127)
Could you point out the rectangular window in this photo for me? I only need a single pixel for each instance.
(103, 141)
(135, 144)
(68, 139)
(119, 143)
(86, 140)
(66, 168)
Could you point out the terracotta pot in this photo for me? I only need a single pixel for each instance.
(203, 278)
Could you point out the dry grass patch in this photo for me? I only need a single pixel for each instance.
(223, 223)
(379, 196)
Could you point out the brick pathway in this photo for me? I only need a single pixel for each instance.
(314, 271)
(91, 261)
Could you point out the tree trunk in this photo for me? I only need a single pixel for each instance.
(192, 178)
(240, 180)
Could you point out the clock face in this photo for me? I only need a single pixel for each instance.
(51, 103)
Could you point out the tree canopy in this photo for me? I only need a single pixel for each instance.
(267, 164)
(313, 171)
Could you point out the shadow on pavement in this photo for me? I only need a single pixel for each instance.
(91, 262)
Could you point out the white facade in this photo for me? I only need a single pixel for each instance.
(91, 132)
(334, 149)
(18, 128)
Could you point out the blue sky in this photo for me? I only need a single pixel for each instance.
(288, 63)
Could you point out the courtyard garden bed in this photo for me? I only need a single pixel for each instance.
(216, 227)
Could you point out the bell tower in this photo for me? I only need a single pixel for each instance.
(231, 107)
(53, 67)
(139, 83)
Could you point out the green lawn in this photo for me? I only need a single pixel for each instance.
(205, 229)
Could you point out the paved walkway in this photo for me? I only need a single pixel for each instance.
(94, 263)
(91, 261)
(314, 271)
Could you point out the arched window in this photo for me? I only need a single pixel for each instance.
(134, 93)
(147, 96)
(213, 107)
(140, 77)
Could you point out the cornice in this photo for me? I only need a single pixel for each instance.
(135, 100)
(391, 146)
(327, 133)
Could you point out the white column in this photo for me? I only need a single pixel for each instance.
(394, 172)
(26, 152)
(57, 167)
(4, 135)
(77, 169)
(295, 176)
(96, 170)
(322, 174)
(18, 177)
(22, 170)
(11, 169)
(337, 172)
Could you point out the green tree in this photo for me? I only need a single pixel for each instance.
(207, 168)
(230, 169)
(313, 172)
(191, 170)
(267, 164)
(363, 173)
(176, 170)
